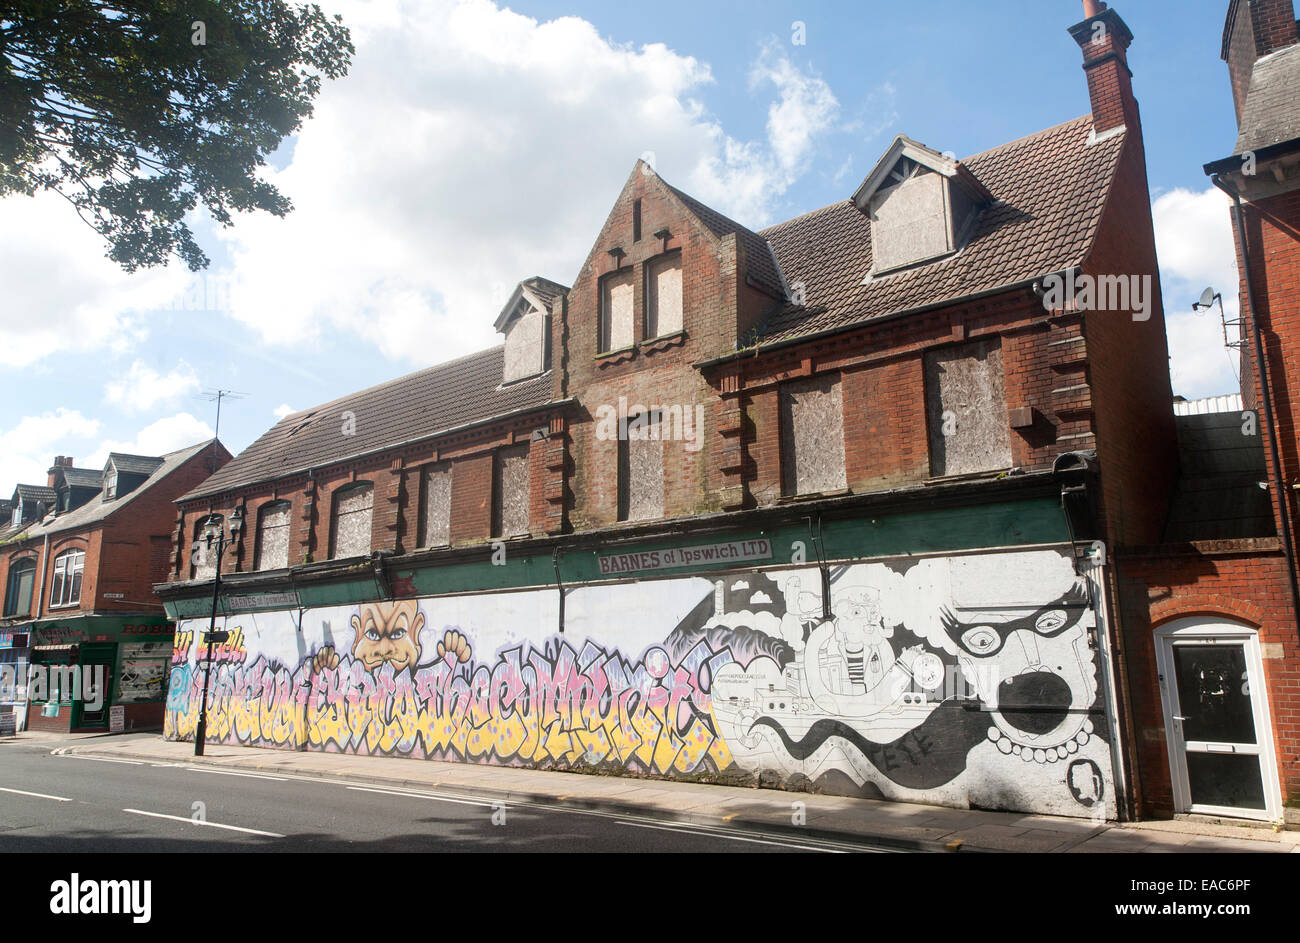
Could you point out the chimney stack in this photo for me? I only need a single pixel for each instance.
(60, 461)
(1104, 39)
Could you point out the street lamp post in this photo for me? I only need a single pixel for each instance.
(212, 530)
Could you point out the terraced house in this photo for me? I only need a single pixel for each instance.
(83, 637)
(832, 505)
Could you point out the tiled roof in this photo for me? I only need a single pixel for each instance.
(1272, 111)
(134, 464)
(98, 508)
(416, 406)
(1050, 190)
(761, 265)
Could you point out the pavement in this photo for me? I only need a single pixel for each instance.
(902, 825)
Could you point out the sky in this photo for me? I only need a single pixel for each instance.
(474, 144)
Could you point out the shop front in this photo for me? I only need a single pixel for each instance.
(98, 672)
(15, 655)
(969, 676)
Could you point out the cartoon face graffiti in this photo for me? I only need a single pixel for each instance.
(1043, 680)
(862, 638)
(388, 632)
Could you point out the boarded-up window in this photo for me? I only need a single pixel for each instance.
(909, 221)
(435, 528)
(510, 492)
(812, 435)
(616, 311)
(273, 536)
(525, 345)
(641, 470)
(663, 294)
(353, 507)
(203, 555)
(966, 408)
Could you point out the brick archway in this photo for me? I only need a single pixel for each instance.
(1200, 604)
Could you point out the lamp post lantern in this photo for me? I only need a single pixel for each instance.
(213, 531)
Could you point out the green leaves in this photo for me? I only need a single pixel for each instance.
(135, 112)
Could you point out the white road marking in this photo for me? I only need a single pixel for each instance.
(100, 759)
(714, 833)
(227, 772)
(188, 821)
(421, 795)
(38, 795)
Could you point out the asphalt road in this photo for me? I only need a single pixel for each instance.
(74, 803)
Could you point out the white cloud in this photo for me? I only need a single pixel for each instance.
(283, 410)
(28, 449)
(60, 292)
(1194, 242)
(158, 438)
(470, 147)
(144, 388)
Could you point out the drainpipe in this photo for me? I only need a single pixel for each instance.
(1257, 336)
(40, 592)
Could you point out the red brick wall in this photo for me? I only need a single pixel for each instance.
(1128, 366)
(1249, 587)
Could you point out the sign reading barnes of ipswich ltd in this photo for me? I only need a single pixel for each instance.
(264, 601)
(735, 551)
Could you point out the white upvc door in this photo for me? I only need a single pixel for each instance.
(1216, 719)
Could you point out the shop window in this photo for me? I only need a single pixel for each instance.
(663, 294)
(616, 291)
(353, 507)
(435, 524)
(273, 536)
(65, 590)
(812, 435)
(966, 409)
(641, 470)
(18, 594)
(510, 492)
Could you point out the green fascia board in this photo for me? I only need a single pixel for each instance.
(1029, 521)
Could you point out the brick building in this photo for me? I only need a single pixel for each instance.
(831, 506)
(1210, 614)
(78, 560)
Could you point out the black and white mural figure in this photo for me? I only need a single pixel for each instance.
(963, 680)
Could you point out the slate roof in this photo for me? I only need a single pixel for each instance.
(133, 464)
(1271, 114)
(83, 477)
(1218, 495)
(98, 508)
(35, 493)
(761, 264)
(1050, 190)
(416, 406)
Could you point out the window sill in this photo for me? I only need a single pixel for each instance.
(611, 357)
(814, 495)
(663, 342)
(65, 605)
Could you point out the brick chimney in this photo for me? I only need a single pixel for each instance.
(1253, 29)
(1104, 39)
(60, 461)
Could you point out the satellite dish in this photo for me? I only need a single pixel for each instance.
(1207, 298)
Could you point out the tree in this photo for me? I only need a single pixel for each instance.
(134, 111)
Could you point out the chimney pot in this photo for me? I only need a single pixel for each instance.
(1092, 7)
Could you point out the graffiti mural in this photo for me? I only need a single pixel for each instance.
(967, 681)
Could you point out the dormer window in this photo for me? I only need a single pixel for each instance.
(922, 206)
(526, 323)
(110, 483)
